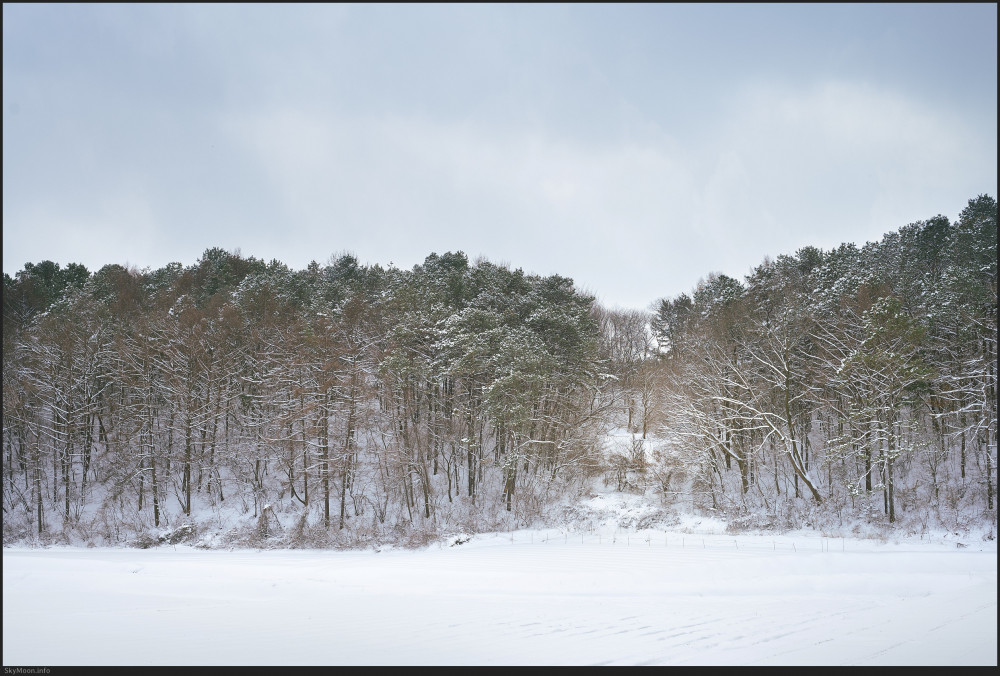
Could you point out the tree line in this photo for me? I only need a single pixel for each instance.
(371, 398)
(860, 378)
(345, 403)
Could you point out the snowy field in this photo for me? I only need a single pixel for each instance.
(531, 598)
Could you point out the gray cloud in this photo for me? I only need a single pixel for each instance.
(632, 149)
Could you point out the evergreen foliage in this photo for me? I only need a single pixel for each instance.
(368, 404)
(369, 399)
(864, 378)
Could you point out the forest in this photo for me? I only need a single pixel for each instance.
(345, 404)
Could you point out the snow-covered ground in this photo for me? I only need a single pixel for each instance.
(690, 596)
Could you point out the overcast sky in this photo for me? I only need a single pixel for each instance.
(632, 148)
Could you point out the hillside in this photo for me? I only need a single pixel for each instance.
(355, 406)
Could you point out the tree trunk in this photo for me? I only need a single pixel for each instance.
(186, 482)
(324, 469)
